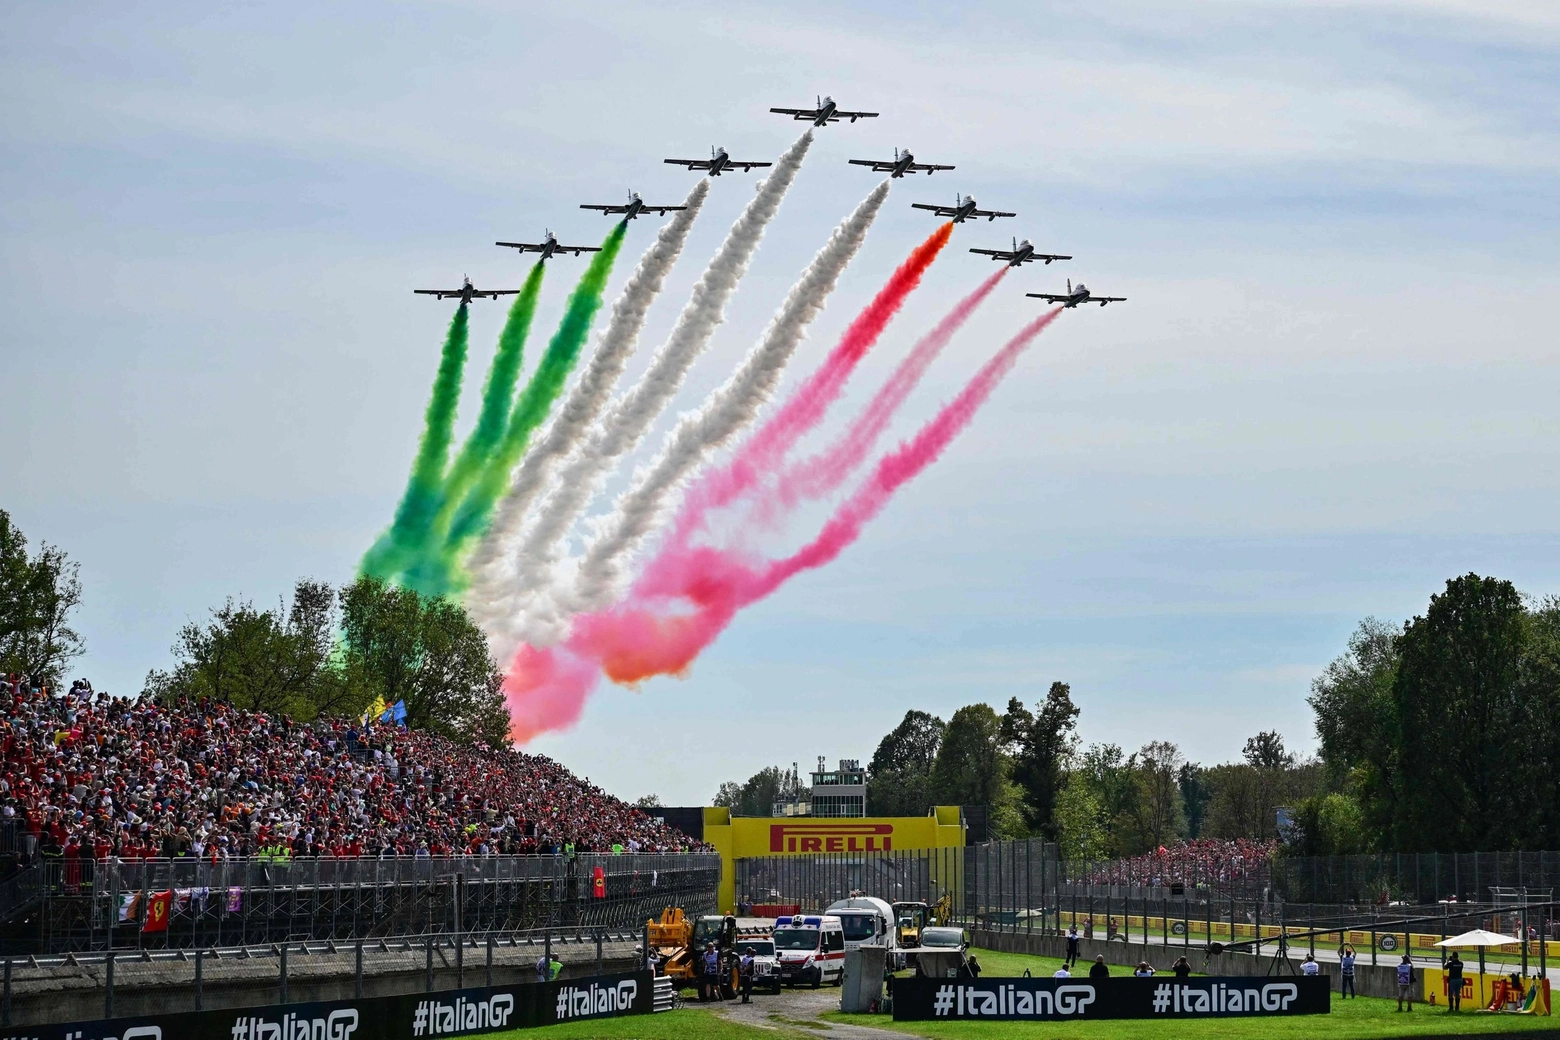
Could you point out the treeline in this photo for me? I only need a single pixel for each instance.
(1443, 736)
(38, 594)
(337, 651)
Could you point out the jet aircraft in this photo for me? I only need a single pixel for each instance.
(467, 292)
(634, 207)
(1076, 296)
(1021, 253)
(548, 246)
(826, 112)
(963, 208)
(717, 162)
(903, 163)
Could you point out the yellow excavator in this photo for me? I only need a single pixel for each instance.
(679, 944)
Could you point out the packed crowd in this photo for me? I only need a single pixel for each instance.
(1200, 861)
(83, 774)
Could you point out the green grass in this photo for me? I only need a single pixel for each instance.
(686, 1024)
(1355, 1019)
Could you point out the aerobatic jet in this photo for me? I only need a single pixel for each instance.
(962, 209)
(1076, 296)
(467, 292)
(634, 207)
(1021, 253)
(716, 163)
(826, 112)
(903, 163)
(548, 246)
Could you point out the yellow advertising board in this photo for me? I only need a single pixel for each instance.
(753, 837)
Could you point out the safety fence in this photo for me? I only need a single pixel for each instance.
(169, 904)
(1415, 877)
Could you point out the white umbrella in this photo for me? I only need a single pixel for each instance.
(1480, 938)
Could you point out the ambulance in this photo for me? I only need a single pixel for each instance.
(811, 948)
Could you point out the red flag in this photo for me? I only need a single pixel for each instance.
(598, 883)
(157, 912)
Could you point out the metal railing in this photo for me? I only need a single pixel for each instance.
(79, 905)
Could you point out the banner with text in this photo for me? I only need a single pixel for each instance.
(411, 1016)
(921, 999)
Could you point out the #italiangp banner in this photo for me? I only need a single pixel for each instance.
(411, 1016)
(1026, 999)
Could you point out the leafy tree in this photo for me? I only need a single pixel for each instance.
(1328, 825)
(38, 594)
(1539, 700)
(1192, 780)
(648, 801)
(969, 769)
(427, 652)
(1041, 744)
(1356, 722)
(1080, 827)
(1112, 782)
(729, 795)
(1158, 809)
(1458, 718)
(899, 777)
(1266, 751)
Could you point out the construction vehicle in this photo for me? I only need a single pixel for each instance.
(910, 918)
(942, 910)
(679, 944)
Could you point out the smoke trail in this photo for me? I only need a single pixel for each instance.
(436, 572)
(499, 390)
(821, 474)
(581, 408)
(631, 415)
(727, 411)
(546, 688)
(766, 449)
(420, 499)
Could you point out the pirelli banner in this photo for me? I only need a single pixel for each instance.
(414, 1016)
(920, 999)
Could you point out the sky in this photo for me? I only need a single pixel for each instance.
(1332, 387)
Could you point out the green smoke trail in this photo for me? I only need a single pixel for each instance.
(497, 393)
(437, 572)
(420, 502)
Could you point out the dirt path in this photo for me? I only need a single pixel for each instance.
(801, 1007)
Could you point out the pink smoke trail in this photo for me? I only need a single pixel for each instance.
(635, 642)
(765, 450)
(826, 471)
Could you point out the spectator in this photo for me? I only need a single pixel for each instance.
(1454, 983)
(1098, 970)
(1181, 968)
(1309, 966)
(1072, 945)
(1346, 971)
(1143, 970)
(1405, 983)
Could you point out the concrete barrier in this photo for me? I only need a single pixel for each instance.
(1380, 981)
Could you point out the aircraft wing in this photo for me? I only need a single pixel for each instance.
(941, 211)
(996, 254)
(664, 210)
(524, 247)
(797, 113)
(746, 166)
(607, 209)
(1048, 298)
(692, 164)
(917, 167)
(990, 214)
(1048, 257)
(852, 116)
(577, 250)
(496, 293)
(1103, 300)
(440, 293)
(878, 167)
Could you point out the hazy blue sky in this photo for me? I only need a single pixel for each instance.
(1334, 385)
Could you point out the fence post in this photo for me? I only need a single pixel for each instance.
(284, 972)
(5, 1005)
(547, 954)
(357, 971)
(489, 981)
(460, 910)
(428, 971)
(598, 951)
(108, 984)
(1524, 927)
(199, 958)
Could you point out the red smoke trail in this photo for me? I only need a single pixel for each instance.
(766, 449)
(824, 472)
(638, 641)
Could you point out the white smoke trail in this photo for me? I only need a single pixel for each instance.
(536, 559)
(490, 570)
(700, 433)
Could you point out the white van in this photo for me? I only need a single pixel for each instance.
(869, 920)
(811, 949)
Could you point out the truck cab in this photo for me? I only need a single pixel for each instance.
(869, 921)
(811, 948)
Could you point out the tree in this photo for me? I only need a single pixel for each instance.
(1266, 751)
(899, 777)
(1328, 825)
(1158, 810)
(264, 660)
(1111, 780)
(1081, 833)
(648, 801)
(1457, 720)
(1539, 700)
(1192, 779)
(37, 597)
(729, 795)
(970, 767)
(426, 652)
(1041, 744)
